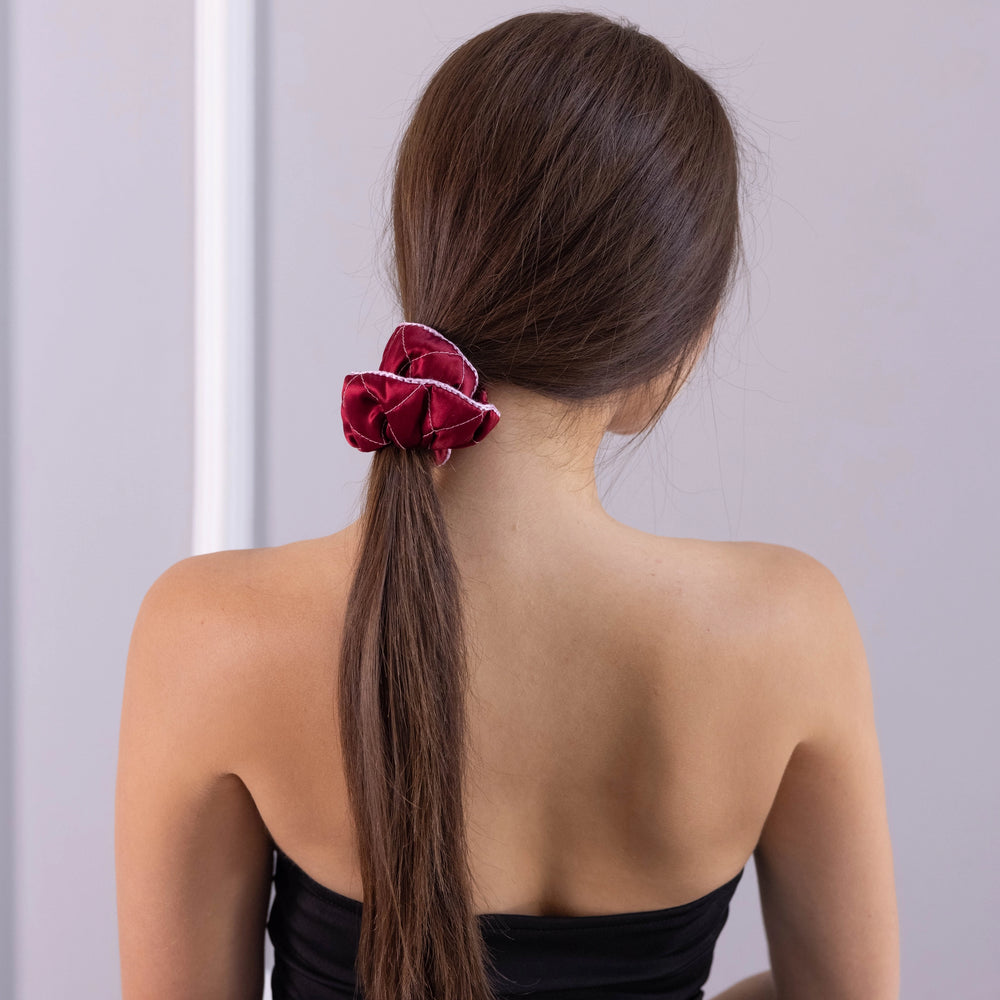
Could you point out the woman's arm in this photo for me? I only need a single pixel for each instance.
(193, 858)
(824, 860)
(759, 987)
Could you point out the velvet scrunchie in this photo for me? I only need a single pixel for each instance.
(425, 394)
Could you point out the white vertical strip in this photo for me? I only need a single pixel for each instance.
(224, 276)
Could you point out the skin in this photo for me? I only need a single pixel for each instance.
(664, 710)
(535, 468)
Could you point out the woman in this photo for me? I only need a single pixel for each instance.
(495, 742)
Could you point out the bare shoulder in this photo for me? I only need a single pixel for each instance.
(776, 613)
(190, 649)
(235, 593)
(782, 592)
(783, 570)
(780, 570)
(227, 628)
(814, 635)
(799, 602)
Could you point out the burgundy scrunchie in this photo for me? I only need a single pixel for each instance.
(425, 394)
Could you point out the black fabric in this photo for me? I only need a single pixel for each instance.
(657, 954)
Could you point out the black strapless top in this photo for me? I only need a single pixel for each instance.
(657, 954)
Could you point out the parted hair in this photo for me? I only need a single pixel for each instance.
(565, 208)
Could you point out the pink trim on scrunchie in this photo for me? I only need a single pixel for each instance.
(425, 394)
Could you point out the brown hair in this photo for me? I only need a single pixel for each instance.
(565, 209)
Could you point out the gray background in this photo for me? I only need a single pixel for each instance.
(847, 408)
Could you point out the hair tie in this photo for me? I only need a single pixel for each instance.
(425, 394)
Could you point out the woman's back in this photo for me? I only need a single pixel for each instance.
(628, 718)
(644, 714)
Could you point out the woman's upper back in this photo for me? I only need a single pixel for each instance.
(628, 725)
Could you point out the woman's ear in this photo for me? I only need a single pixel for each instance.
(641, 406)
(646, 403)
(631, 414)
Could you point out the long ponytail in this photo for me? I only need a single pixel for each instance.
(402, 718)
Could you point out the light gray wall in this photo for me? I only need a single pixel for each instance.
(6, 663)
(849, 411)
(101, 128)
